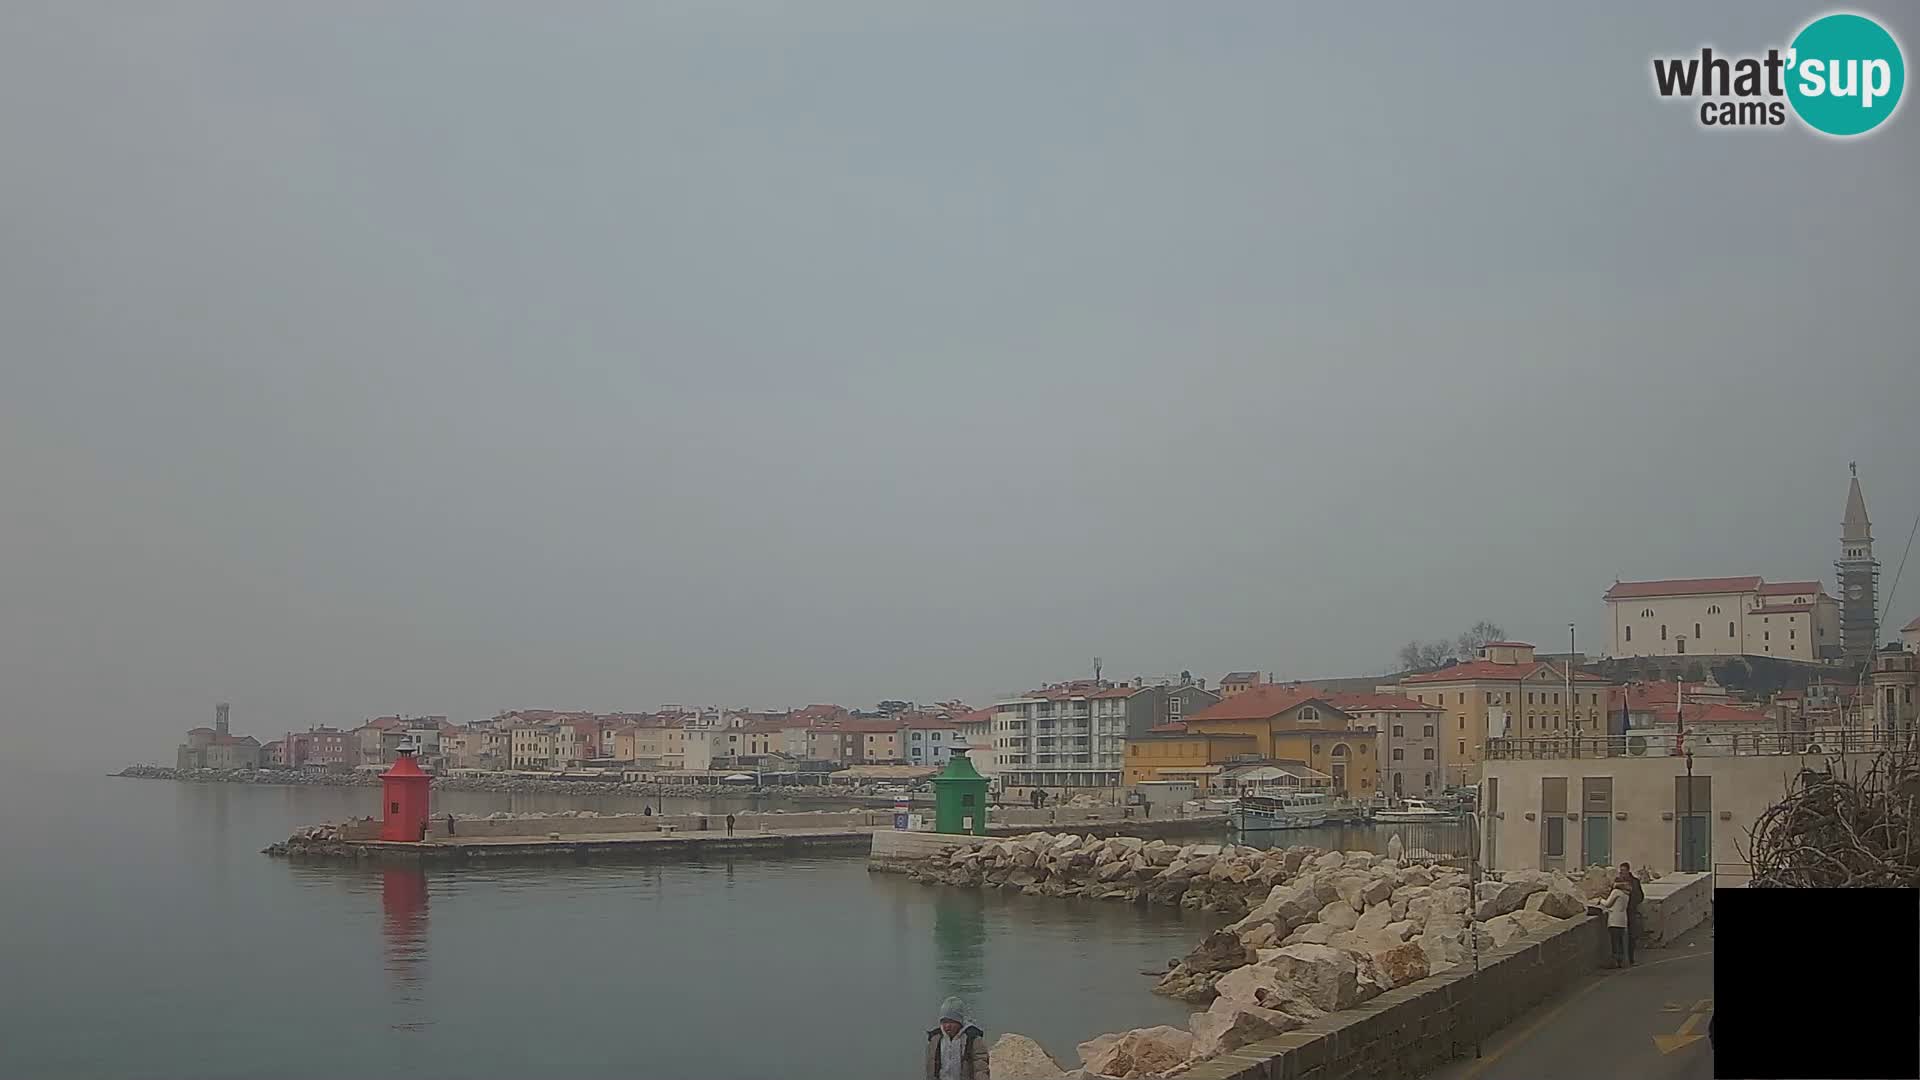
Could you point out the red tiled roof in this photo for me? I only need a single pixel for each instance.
(869, 727)
(1508, 645)
(1174, 728)
(977, 716)
(1240, 677)
(1115, 692)
(1790, 588)
(929, 723)
(1261, 702)
(1487, 669)
(1624, 590)
(1378, 703)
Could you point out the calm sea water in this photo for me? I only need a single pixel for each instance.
(142, 934)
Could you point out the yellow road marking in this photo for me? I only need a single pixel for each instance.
(1686, 1036)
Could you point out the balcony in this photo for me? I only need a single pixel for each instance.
(1665, 743)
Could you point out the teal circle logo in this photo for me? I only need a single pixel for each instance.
(1845, 74)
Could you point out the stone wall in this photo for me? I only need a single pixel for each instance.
(590, 824)
(1674, 904)
(1408, 1031)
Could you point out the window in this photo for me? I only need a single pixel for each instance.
(1766, 635)
(1696, 629)
(1646, 613)
(1462, 701)
(1713, 609)
(1489, 697)
(1556, 837)
(1428, 731)
(1792, 634)
(916, 736)
(1399, 755)
(1663, 631)
(1340, 750)
(1427, 753)
(1429, 781)
(1309, 713)
(1529, 699)
(1556, 699)
(1463, 723)
(1463, 748)
(1729, 628)
(1134, 750)
(1629, 633)
(1399, 731)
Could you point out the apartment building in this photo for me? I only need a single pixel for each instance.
(1063, 738)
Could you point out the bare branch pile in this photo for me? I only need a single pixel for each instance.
(1842, 827)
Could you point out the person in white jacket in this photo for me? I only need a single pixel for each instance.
(1616, 908)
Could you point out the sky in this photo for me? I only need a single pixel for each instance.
(453, 357)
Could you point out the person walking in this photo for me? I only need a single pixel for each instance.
(1629, 881)
(449, 824)
(956, 1049)
(1616, 908)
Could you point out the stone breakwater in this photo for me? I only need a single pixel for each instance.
(509, 785)
(1318, 932)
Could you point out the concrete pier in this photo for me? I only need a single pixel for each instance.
(593, 839)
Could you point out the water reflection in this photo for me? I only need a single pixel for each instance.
(960, 940)
(403, 904)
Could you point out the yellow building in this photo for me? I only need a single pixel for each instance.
(1271, 723)
(1176, 754)
(1504, 693)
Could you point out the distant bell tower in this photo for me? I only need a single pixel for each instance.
(1858, 574)
(220, 719)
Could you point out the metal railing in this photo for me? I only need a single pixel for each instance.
(1717, 744)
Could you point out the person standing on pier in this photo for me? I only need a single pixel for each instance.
(956, 1050)
(1629, 881)
(729, 824)
(1616, 908)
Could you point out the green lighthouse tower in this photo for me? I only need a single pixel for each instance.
(960, 798)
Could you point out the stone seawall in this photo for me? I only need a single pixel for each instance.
(1321, 935)
(1408, 1031)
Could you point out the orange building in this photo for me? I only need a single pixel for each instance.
(1272, 723)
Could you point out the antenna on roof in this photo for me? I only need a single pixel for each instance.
(1096, 669)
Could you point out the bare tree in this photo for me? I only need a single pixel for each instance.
(1468, 645)
(1424, 655)
(1427, 655)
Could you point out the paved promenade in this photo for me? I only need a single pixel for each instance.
(1648, 1021)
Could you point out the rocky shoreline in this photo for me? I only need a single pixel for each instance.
(505, 785)
(1319, 932)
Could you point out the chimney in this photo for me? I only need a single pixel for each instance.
(220, 718)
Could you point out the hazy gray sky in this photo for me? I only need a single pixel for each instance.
(446, 357)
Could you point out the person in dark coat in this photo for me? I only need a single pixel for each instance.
(1627, 880)
(957, 1050)
(449, 824)
(729, 824)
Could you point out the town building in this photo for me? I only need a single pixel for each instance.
(1910, 636)
(1669, 804)
(217, 747)
(1896, 690)
(928, 740)
(976, 733)
(1172, 754)
(1153, 704)
(1239, 682)
(1296, 724)
(1728, 616)
(1066, 738)
(320, 747)
(1407, 738)
(1506, 691)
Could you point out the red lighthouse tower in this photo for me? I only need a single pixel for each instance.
(404, 795)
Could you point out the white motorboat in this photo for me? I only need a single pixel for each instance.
(1267, 813)
(1412, 810)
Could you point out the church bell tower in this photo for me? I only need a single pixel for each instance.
(1858, 575)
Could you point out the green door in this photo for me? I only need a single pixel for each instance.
(1598, 834)
(1695, 842)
